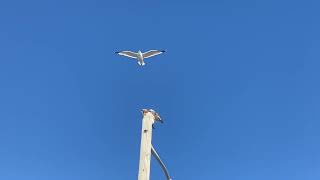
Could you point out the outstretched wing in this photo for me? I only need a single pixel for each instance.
(152, 53)
(129, 54)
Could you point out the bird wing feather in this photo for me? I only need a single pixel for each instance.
(152, 53)
(129, 54)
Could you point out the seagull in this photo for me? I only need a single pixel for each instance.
(139, 55)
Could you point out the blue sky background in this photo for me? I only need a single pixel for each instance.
(238, 89)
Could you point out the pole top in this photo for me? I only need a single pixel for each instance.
(153, 112)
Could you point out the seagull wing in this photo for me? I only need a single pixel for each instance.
(151, 53)
(129, 54)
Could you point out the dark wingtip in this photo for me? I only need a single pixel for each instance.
(163, 50)
(117, 52)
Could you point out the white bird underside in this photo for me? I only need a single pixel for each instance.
(139, 55)
(152, 53)
(129, 54)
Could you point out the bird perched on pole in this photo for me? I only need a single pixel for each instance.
(154, 113)
(139, 55)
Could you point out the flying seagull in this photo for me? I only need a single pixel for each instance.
(139, 55)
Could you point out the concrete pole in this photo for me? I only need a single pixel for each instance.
(145, 149)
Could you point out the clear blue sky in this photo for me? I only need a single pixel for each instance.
(238, 89)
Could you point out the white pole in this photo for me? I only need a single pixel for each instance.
(145, 149)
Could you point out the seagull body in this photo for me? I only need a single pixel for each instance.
(139, 55)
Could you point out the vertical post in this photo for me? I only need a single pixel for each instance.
(145, 149)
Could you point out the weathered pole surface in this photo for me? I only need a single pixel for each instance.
(145, 148)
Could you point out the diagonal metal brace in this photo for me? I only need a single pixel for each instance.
(156, 155)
